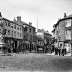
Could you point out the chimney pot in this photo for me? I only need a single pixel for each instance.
(19, 18)
(30, 23)
(65, 15)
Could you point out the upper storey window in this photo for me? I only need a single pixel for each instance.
(68, 23)
(11, 25)
(1, 24)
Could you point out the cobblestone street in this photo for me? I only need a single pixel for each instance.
(33, 62)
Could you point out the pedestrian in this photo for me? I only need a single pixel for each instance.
(65, 51)
(62, 52)
(55, 51)
(59, 51)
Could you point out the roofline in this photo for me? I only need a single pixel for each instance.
(53, 30)
(62, 20)
(28, 25)
(10, 21)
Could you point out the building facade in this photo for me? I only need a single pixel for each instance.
(44, 37)
(63, 33)
(29, 34)
(12, 34)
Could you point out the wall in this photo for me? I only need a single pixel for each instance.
(11, 31)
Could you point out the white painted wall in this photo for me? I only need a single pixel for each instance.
(68, 34)
(68, 47)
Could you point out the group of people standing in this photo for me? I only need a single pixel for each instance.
(59, 51)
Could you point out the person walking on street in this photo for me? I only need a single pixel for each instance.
(59, 51)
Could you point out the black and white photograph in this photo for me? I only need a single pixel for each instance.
(35, 35)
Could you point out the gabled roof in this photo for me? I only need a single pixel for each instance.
(24, 23)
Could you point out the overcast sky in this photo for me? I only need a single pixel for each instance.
(47, 11)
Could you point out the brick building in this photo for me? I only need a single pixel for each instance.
(12, 34)
(29, 34)
(63, 33)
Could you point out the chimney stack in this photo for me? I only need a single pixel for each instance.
(30, 23)
(65, 15)
(19, 18)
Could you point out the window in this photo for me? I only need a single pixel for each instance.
(25, 29)
(57, 32)
(8, 32)
(11, 25)
(20, 34)
(8, 24)
(20, 27)
(33, 30)
(15, 26)
(12, 33)
(30, 29)
(1, 24)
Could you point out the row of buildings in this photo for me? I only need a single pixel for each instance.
(62, 33)
(17, 35)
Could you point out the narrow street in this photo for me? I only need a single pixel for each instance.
(34, 62)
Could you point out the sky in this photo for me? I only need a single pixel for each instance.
(45, 13)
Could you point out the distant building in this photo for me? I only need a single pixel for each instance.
(44, 35)
(63, 33)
